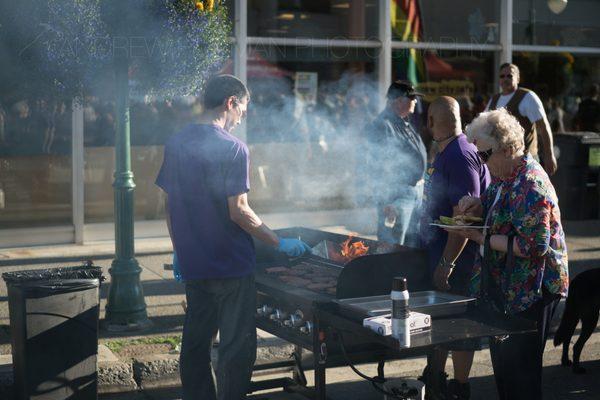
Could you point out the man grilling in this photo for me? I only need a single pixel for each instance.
(527, 107)
(395, 161)
(457, 171)
(205, 176)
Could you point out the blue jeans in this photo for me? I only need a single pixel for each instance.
(406, 230)
(227, 305)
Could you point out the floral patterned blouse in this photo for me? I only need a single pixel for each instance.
(528, 208)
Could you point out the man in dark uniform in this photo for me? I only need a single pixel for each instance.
(394, 167)
(527, 107)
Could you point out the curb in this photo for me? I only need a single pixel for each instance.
(145, 372)
(115, 377)
(160, 370)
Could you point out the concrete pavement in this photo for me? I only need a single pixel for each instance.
(343, 384)
(149, 376)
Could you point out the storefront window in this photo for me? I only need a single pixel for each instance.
(465, 75)
(35, 160)
(332, 19)
(436, 21)
(546, 22)
(290, 84)
(562, 81)
(308, 106)
(35, 130)
(152, 122)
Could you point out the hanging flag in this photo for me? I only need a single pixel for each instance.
(406, 24)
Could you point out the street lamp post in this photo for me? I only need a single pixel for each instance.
(126, 308)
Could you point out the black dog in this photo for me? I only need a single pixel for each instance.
(583, 303)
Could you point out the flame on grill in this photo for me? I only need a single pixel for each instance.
(352, 250)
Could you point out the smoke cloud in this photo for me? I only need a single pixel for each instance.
(314, 156)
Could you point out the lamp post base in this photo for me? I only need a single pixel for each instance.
(126, 308)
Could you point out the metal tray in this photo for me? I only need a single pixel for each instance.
(434, 303)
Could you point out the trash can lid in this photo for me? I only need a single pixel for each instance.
(583, 137)
(43, 288)
(54, 274)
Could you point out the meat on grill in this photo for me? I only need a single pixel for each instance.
(308, 276)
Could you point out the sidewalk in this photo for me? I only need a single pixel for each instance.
(149, 366)
(75, 252)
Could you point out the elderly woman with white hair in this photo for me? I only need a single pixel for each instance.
(522, 268)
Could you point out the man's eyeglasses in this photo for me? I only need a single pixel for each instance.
(239, 106)
(509, 76)
(485, 155)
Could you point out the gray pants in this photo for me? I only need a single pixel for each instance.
(228, 306)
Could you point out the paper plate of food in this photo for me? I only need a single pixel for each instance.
(459, 222)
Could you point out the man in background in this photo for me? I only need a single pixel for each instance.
(527, 107)
(394, 167)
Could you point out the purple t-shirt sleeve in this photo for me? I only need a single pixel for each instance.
(463, 180)
(237, 178)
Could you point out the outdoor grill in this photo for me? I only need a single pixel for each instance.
(291, 290)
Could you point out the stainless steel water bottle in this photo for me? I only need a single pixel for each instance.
(400, 312)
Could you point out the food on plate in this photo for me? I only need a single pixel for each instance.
(460, 220)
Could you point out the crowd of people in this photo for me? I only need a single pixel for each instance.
(491, 170)
(42, 125)
(35, 126)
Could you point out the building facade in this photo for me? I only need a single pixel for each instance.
(317, 70)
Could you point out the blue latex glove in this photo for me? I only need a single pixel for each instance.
(176, 269)
(292, 247)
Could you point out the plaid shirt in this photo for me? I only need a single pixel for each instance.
(528, 208)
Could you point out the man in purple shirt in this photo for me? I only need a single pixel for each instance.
(205, 174)
(456, 171)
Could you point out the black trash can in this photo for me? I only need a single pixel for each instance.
(577, 179)
(54, 332)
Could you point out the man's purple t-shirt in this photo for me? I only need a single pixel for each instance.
(204, 165)
(456, 172)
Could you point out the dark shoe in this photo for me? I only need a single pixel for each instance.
(458, 391)
(435, 384)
